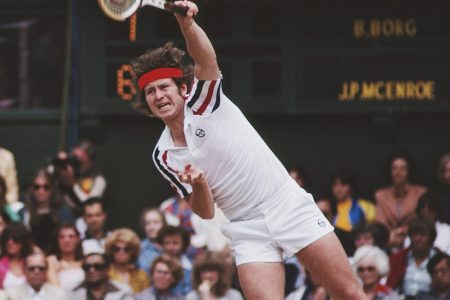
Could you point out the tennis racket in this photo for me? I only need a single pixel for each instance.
(120, 10)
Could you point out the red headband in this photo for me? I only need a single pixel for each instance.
(160, 73)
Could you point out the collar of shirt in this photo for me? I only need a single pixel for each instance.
(110, 288)
(40, 295)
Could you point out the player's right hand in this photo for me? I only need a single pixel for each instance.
(191, 13)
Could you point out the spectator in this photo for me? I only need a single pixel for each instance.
(78, 175)
(177, 212)
(439, 269)
(398, 201)
(351, 211)
(4, 221)
(152, 220)
(9, 173)
(43, 210)
(16, 245)
(36, 286)
(408, 273)
(375, 234)
(165, 274)
(444, 178)
(94, 216)
(175, 242)
(432, 207)
(398, 237)
(371, 264)
(327, 208)
(298, 173)
(122, 248)
(212, 279)
(4, 206)
(64, 261)
(96, 284)
(91, 182)
(312, 289)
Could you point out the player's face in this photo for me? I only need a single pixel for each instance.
(165, 99)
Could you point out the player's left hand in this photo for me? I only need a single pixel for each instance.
(191, 175)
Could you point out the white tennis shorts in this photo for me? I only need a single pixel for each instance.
(278, 229)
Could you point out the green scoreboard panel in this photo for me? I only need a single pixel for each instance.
(287, 56)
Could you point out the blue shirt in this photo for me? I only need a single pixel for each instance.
(149, 252)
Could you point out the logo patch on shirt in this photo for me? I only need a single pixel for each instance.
(200, 133)
(321, 223)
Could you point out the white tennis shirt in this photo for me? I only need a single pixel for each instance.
(241, 170)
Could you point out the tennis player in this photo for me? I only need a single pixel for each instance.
(211, 154)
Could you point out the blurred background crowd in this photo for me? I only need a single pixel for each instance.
(56, 242)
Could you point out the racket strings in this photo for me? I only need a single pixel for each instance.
(118, 7)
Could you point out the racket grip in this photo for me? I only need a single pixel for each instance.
(182, 11)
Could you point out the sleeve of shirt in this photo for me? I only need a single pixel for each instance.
(169, 174)
(205, 96)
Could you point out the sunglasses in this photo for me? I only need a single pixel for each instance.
(15, 239)
(121, 249)
(97, 267)
(368, 269)
(37, 187)
(33, 269)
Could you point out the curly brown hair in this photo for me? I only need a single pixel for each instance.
(213, 261)
(174, 266)
(167, 56)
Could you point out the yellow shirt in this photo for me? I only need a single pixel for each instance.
(138, 279)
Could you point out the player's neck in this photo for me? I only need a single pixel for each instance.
(178, 137)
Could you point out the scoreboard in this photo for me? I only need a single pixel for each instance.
(287, 56)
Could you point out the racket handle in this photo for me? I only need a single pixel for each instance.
(182, 11)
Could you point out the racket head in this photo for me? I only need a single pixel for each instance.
(119, 10)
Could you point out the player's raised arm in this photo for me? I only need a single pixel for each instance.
(198, 44)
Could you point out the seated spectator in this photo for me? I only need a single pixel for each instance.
(375, 234)
(432, 207)
(4, 206)
(212, 279)
(327, 207)
(9, 173)
(371, 264)
(36, 286)
(312, 289)
(398, 238)
(64, 261)
(94, 216)
(398, 201)
(408, 274)
(298, 173)
(351, 211)
(444, 179)
(43, 209)
(16, 245)
(175, 242)
(178, 213)
(96, 284)
(79, 178)
(122, 248)
(152, 220)
(4, 221)
(439, 269)
(165, 274)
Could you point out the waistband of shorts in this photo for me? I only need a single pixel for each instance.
(257, 212)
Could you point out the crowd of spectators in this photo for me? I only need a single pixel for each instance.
(54, 243)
